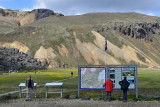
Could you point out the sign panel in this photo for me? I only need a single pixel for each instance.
(118, 73)
(115, 75)
(129, 72)
(92, 77)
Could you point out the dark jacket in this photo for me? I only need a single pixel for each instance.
(32, 83)
(124, 84)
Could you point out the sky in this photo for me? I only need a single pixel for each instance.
(78, 7)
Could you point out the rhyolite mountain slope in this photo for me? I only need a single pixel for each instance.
(19, 18)
(69, 41)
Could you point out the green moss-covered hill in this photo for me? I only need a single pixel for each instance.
(69, 41)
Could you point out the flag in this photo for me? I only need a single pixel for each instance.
(105, 43)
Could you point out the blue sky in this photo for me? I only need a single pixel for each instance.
(16, 4)
(77, 7)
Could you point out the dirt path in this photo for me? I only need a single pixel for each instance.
(50, 102)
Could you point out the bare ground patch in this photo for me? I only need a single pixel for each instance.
(50, 102)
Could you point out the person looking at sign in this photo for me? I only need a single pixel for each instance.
(71, 74)
(108, 88)
(124, 86)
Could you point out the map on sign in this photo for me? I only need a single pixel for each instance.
(92, 77)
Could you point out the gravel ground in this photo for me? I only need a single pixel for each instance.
(50, 102)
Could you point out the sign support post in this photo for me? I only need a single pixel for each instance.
(78, 82)
(136, 83)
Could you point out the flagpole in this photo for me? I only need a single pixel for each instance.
(105, 58)
(105, 52)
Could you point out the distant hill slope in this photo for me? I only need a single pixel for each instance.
(24, 17)
(70, 41)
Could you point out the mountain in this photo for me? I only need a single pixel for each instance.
(69, 41)
(24, 17)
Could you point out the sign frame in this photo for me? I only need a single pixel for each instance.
(93, 88)
(107, 73)
(122, 76)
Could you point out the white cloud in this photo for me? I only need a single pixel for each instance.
(150, 14)
(26, 9)
(39, 4)
(78, 13)
(2, 7)
(143, 12)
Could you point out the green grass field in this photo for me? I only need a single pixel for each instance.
(11, 81)
(147, 79)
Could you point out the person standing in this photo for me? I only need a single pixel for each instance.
(108, 88)
(29, 86)
(124, 86)
(71, 74)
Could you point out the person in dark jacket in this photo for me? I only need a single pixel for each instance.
(108, 88)
(29, 86)
(124, 86)
(71, 74)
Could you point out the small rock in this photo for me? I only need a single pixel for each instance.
(66, 97)
(98, 98)
(146, 98)
(73, 96)
(85, 98)
(3, 97)
(8, 96)
(121, 98)
(157, 97)
(13, 96)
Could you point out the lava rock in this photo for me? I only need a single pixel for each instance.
(98, 98)
(157, 97)
(41, 13)
(13, 59)
(66, 97)
(146, 98)
(8, 96)
(85, 98)
(73, 96)
(13, 96)
(4, 97)
(137, 30)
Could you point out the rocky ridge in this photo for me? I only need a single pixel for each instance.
(24, 17)
(12, 58)
(137, 30)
